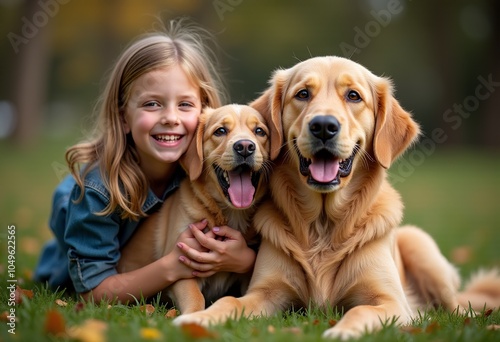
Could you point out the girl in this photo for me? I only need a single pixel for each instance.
(148, 116)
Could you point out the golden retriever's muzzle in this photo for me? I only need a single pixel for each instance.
(325, 168)
(239, 184)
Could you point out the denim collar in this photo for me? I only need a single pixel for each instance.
(94, 181)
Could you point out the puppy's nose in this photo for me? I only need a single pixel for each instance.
(244, 147)
(324, 127)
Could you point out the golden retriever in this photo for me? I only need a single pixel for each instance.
(329, 235)
(227, 165)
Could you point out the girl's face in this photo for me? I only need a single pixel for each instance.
(162, 115)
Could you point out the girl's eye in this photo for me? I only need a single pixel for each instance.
(220, 132)
(152, 104)
(302, 95)
(185, 104)
(353, 96)
(260, 132)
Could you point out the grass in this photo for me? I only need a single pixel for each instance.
(453, 194)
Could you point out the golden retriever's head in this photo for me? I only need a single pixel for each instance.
(335, 116)
(231, 147)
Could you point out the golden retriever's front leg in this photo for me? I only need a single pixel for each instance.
(226, 308)
(366, 318)
(271, 290)
(187, 295)
(376, 293)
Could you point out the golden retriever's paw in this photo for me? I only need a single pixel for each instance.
(342, 334)
(193, 318)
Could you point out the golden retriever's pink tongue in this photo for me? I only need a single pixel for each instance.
(241, 190)
(324, 170)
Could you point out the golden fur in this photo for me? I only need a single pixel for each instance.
(329, 233)
(230, 138)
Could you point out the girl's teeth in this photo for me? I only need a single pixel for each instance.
(167, 137)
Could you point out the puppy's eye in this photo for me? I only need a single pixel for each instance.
(302, 95)
(353, 96)
(220, 132)
(260, 132)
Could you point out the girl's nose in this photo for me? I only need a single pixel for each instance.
(169, 116)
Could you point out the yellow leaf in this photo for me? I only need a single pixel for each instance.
(92, 330)
(150, 334)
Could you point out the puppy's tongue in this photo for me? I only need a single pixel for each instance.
(324, 170)
(240, 190)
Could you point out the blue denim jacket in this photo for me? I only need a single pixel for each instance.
(86, 248)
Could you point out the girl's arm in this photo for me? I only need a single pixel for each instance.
(150, 279)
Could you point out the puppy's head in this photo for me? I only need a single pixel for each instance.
(230, 151)
(332, 113)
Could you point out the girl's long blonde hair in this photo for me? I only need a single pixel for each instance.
(109, 148)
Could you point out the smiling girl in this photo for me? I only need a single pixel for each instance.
(147, 118)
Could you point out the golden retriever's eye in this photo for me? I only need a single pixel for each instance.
(260, 132)
(220, 132)
(353, 96)
(302, 95)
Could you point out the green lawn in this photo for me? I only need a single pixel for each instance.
(454, 195)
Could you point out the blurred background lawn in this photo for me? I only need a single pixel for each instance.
(444, 58)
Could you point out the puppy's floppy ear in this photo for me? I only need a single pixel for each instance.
(395, 129)
(192, 160)
(269, 105)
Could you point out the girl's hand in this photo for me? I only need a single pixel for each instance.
(226, 250)
(176, 262)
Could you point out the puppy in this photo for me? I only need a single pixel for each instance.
(329, 232)
(227, 164)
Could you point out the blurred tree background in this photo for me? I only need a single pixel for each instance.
(55, 54)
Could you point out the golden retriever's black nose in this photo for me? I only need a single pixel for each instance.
(324, 127)
(244, 147)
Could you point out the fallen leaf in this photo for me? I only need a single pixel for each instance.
(461, 255)
(172, 313)
(4, 316)
(148, 309)
(22, 293)
(79, 306)
(150, 334)
(433, 327)
(316, 322)
(54, 323)
(60, 302)
(271, 329)
(91, 330)
(196, 331)
(332, 322)
(488, 313)
(411, 329)
(30, 245)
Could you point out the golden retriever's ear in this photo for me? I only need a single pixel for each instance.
(269, 105)
(395, 129)
(192, 160)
